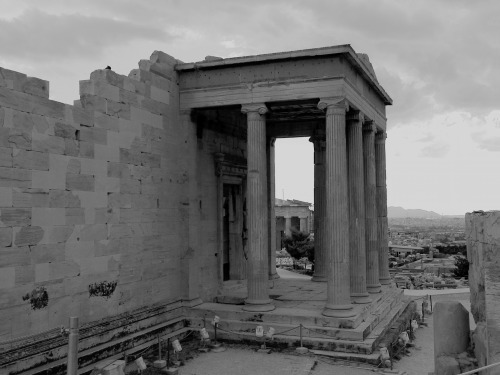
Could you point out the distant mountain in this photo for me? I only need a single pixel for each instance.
(400, 212)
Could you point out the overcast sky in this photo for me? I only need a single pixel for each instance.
(438, 59)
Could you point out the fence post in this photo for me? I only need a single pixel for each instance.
(73, 346)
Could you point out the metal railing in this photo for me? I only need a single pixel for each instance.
(480, 369)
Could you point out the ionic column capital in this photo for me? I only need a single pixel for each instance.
(259, 108)
(380, 137)
(355, 116)
(369, 127)
(334, 106)
(319, 142)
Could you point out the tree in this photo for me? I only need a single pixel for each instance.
(462, 267)
(299, 245)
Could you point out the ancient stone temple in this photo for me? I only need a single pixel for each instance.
(141, 205)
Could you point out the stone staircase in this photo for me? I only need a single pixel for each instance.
(355, 337)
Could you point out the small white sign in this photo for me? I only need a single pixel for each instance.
(177, 346)
(204, 334)
(270, 333)
(259, 331)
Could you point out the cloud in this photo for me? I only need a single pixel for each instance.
(436, 150)
(37, 35)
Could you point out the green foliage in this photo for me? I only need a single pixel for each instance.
(299, 245)
(462, 267)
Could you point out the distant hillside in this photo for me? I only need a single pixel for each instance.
(400, 212)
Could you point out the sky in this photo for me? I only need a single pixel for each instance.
(439, 60)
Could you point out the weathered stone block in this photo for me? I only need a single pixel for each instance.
(33, 104)
(80, 182)
(107, 122)
(80, 116)
(15, 216)
(36, 86)
(75, 216)
(58, 234)
(108, 76)
(52, 179)
(74, 166)
(31, 160)
(49, 144)
(20, 139)
(7, 277)
(86, 149)
(80, 250)
(446, 365)
(130, 156)
(5, 157)
(30, 198)
(5, 237)
(48, 216)
(15, 177)
(12, 256)
(63, 198)
(5, 197)
(93, 232)
(47, 253)
(130, 186)
(11, 79)
(94, 135)
(90, 199)
(107, 106)
(28, 236)
(25, 274)
(65, 130)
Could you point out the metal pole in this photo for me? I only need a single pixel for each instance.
(73, 346)
(215, 333)
(159, 347)
(430, 296)
(168, 352)
(300, 333)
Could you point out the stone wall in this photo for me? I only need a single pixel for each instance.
(483, 253)
(93, 197)
(211, 143)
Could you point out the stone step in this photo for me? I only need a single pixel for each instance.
(372, 359)
(361, 340)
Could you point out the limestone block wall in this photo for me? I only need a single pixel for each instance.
(483, 252)
(93, 197)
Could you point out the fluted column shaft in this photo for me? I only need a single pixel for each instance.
(320, 264)
(271, 203)
(288, 225)
(338, 302)
(383, 242)
(258, 216)
(372, 282)
(356, 185)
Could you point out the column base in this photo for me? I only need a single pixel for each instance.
(258, 305)
(274, 276)
(361, 298)
(339, 311)
(385, 280)
(373, 289)
(319, 278)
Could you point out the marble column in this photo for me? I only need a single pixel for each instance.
(271, 197)
(319, 208)
(288, 225)
(257, 208)
(357, 247)
(338, 303)
(372, 281)
(383, 241)
(303, 224)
